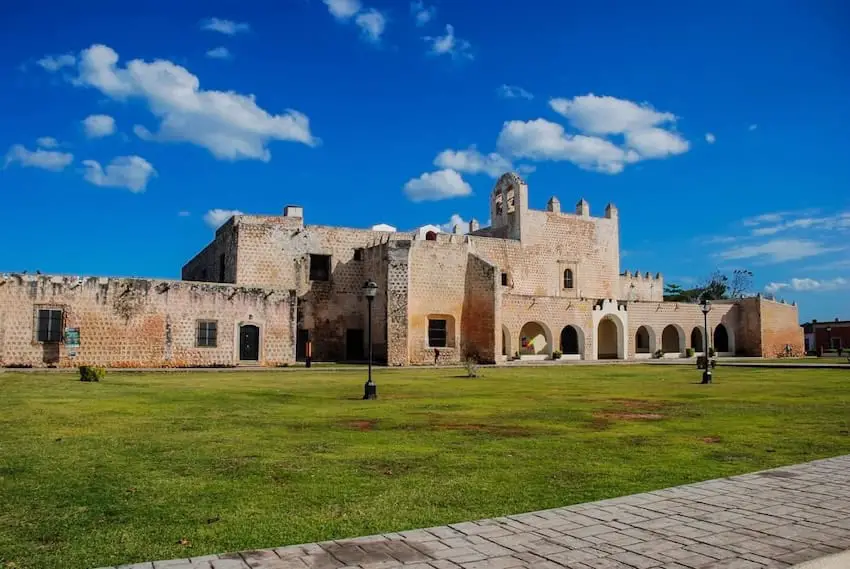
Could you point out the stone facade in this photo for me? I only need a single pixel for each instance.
(533, 283)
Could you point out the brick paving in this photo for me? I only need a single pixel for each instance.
(770, 519)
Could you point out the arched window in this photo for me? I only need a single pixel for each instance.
(568, 278)
(430, 236)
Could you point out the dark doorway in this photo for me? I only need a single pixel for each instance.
(249, 343)
(354, 344)
(569, 340)
(301, 338)
(721, 339)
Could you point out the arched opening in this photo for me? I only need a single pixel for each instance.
(431, 236)
(721, 339)
(534, 340)
(696, 339)
(570, 340)
(506, 343)
(568, 278)
(670, 340)
(608, 340)
(642, 341)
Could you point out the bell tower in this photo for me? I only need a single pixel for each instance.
(509, 204)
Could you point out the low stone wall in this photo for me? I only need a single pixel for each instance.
(141, 322)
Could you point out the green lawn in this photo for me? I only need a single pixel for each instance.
(118, 472)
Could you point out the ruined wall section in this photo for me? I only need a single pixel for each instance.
(207, 265)
(780, 327)
(396, 301)
(480, 315)
(551, 243)
(140, 322)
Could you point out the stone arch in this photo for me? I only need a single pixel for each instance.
(431, 236)
(535, 339)
(722, 339)
(644, 340)
(609, 343)
(572, 340)
(673, 339)
(698, 339)
(506, 342)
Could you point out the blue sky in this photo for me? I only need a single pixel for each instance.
(720, 134)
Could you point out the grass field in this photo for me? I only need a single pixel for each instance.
(123, 470)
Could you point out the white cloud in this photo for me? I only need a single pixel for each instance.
(449, 45)
(130, 172)
(774, 217)
(839, 221)
(47, 142)
(455, 219)
(808, 285)
(543, 140)
(752, 127)
(439, 185)
(219, 53)
(777, 250)
(216, 217)
(54, 63)
(656, 143)
(472, 161)
(228, 124)
(342, 9)
(372, 24)
(422, 14)
(227, 27)
(384, 227)
(38, 158)
(97, 126)
(609, 115)
(513, 92)
(710, 138)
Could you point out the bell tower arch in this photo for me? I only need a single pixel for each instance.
(509, 204)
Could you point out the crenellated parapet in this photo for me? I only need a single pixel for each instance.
(640, 286)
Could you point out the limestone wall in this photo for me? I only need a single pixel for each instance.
(217, 261)
(779, 328)
(553, 313)
(684, 317)
(140, 322)
(641, 287)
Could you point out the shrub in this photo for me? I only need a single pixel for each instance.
(658, 354)
(556, 355)
(92, 373)
(689, 352)
(471, 365)
(711, 352)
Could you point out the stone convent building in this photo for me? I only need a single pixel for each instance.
(533, 283)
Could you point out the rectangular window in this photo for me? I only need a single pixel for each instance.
(437, 333)
(836, 343)
(207, 334)
(358, 254)
(504, 279)
(221, 268)
(320, 267)
(48, 326)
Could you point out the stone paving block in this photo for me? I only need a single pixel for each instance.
(443, 564)
(575, 555)
(636, 560)
(347, 554)
(444, 532)
(145, 565)
(229, 563)
(767, 562)
(173, 564)
(403, 552)
(606, 563)
(418, 535)
(654, 546)
(263, 559)
(505, 562)
(614, 538)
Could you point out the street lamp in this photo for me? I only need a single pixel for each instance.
(829, 337)
(370, 290)
(705, 305)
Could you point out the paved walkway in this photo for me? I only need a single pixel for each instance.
(770, 519)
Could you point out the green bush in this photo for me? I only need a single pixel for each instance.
(556, 355)
(92, 373)
(689, 352)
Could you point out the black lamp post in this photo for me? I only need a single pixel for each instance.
(705, 305)
(829, 337)
(370, 289)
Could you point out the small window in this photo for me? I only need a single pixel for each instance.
(48, 326)
(207, 336)
(431, 236)
(504, 279)
(221, 268)
(320, 267)
(568, 278)
(358, 254)
(437, 333)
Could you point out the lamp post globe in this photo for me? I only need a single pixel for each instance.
(705, 306)
(370, 290)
